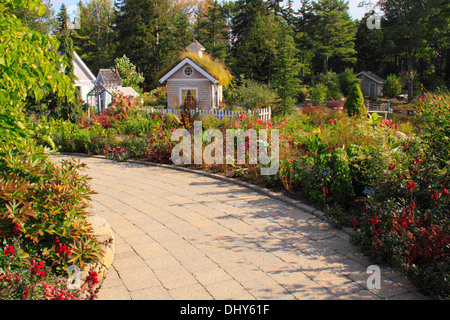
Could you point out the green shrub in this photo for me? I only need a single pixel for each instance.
(319, 93)
(137, 147)
(392, 87)
(354, 105)
(255, 95)
(332, 82)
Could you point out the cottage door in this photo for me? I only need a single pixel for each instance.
(372, 90)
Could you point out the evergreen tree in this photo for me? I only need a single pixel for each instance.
(330, 30)
(211, 29)
(243, 20)
(255, 57)
(354, 105)
(416, 29)
(286, 68)
(370, 47)
(94, 40)
(146, 34)
(66, 44)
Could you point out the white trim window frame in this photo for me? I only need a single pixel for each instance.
(187, 88)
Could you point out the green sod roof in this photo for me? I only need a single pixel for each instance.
(215, 68)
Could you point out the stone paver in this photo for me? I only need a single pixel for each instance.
(181, 235)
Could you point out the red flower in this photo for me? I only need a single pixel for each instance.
(63, 250)
(411, 185)
(445, 191)
(17, 228)
(9, 250)
(92, 277)
(374, 221)
(435, 195)
(405, 145)
(155, 116)
(37, 269)
(391, 166)
(25, 294)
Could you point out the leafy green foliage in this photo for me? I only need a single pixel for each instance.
(127, 71)
(39, 199)
(392, 87)
(346, 81)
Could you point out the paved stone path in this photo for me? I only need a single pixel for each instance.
(181, 235)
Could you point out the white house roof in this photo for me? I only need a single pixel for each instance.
(79, 62)
(193, 65)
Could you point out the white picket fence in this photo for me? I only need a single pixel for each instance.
(382, 108)
(262, 114)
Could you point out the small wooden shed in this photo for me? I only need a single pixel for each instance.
(108, 84)
(196, 80)
(371, 85)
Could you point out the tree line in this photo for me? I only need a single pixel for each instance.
(268, 41)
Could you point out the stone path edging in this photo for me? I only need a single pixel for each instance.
(103, 233)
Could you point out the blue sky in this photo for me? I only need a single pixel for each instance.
(355, 12)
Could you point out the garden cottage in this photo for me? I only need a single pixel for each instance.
(85, 80)
(197, 80)
(107, 85)
(371, 84)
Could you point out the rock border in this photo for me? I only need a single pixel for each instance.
(103, 233)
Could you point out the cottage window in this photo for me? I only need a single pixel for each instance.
(188, 71)
(189, 96)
